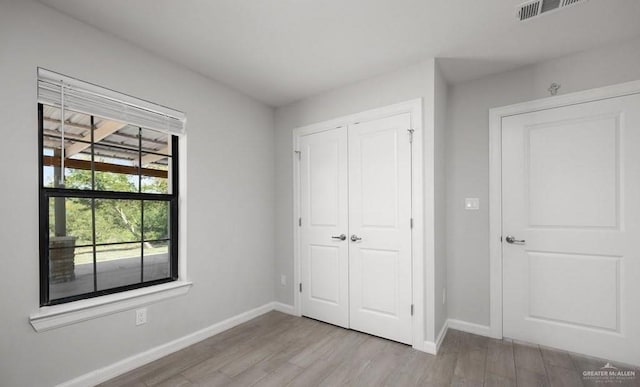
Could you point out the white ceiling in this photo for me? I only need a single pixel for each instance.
(279, 51)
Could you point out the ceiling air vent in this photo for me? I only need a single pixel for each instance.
(538, 7)
(529, 10)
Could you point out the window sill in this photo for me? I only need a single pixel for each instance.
(52, 317)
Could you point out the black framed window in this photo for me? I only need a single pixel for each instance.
(108, 206)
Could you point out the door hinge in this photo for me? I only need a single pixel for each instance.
(300, 287)
(410, 134)
(411, 222)
(299, 222)
(412, 309)
(299, 154)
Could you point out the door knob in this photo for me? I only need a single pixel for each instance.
(355, 238)
(341, 237)
(511, 239)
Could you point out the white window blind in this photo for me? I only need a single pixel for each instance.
(56, 89)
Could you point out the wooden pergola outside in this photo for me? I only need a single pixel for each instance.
(112, 141)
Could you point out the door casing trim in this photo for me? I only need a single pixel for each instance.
(495, 177)
(423, 270)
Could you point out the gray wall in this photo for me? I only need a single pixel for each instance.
(230, 192)
(467, 163)
(440, 219)
(402, 85)
(235, 166)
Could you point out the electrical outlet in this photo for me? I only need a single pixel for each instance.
(141, 316)
(283, 280)
(444, 296)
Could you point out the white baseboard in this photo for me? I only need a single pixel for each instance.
(476, 329)
(441, 335)
(429, 347)
(123, 366)
(284, 308)
(433, 347)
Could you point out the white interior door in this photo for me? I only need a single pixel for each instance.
(324, 248)
(379, 227)
(571, 191)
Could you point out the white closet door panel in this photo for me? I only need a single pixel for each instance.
(379, 214)
(324, 260)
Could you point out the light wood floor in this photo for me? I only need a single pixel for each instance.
(281, 350)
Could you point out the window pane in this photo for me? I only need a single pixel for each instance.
(155, 142)
(76, 124)
(47, 167)
(156, 220)
(118, 220)
(77, 163)
(118, 265)
(156, 161)
(115, 133)
(77, 143)
(77, 171)
(71, 218)
(116, 169)
(156, 176)
(156, 260)
(70, 247)
(117, 156)
(70, 268)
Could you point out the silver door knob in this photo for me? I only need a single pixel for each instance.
(511, 239)
(341, 237)
(355, 238)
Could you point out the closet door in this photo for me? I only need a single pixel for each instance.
(379, 227)
(324, 246)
